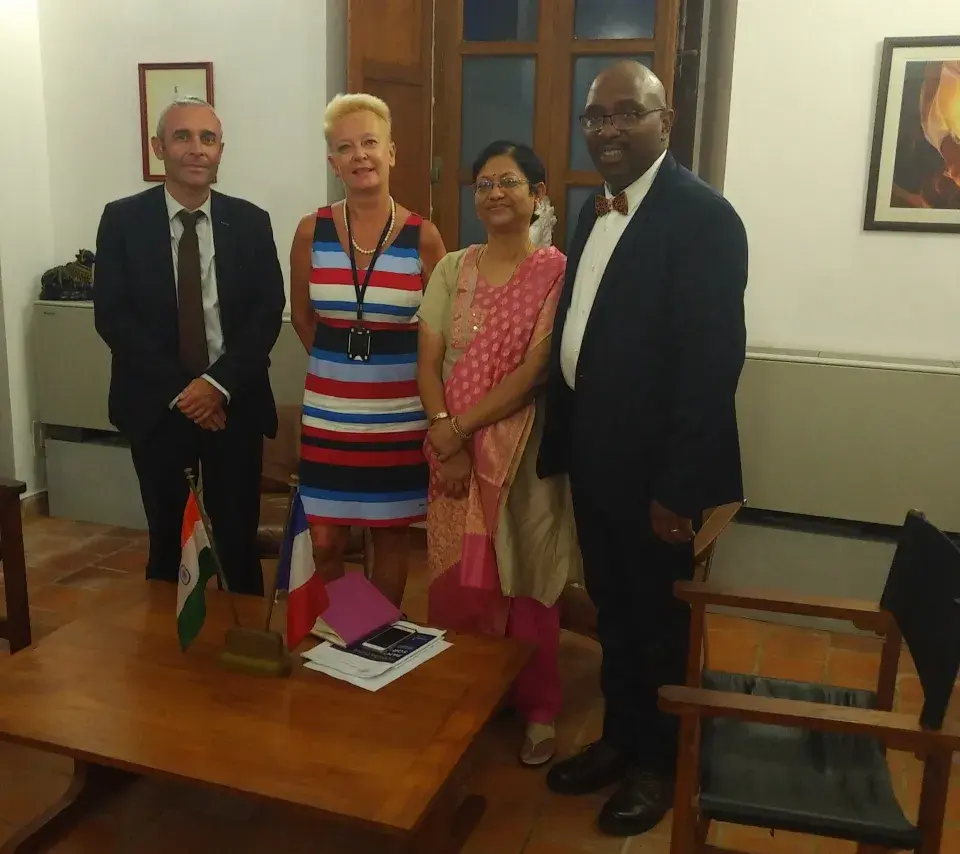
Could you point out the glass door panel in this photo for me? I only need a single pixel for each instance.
(471, 230)
(615, 19)
(500, 20)
(497, 102)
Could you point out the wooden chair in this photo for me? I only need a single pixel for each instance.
(15, 627)
(577, 612)
(810, 758)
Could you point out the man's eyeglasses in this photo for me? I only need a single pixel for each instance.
(621, 121)
(507, 183)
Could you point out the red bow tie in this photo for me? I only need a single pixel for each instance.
(618, 203)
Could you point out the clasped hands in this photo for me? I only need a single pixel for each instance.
(455, 462)
(203, 404)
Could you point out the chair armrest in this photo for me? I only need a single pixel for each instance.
(902, 732)
(861, 612)
(713, 526)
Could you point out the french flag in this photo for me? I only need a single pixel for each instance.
(296, 573)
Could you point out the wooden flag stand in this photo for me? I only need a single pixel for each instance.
(256, 652)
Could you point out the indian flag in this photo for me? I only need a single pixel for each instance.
(196, 569)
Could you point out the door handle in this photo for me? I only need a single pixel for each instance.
(435, 170)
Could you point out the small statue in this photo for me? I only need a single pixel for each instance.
(72, 281)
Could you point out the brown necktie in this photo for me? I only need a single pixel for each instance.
(618, 203)
(193, 337)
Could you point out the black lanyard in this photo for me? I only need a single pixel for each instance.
(361, 290)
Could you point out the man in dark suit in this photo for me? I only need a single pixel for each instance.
(647, 353)
(188, 296)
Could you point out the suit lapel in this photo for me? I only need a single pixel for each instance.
(157, 252)
(631, 242)
(224, 248)
(585, 223)
(587, 218)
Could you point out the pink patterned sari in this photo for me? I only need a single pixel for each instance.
(495, 327)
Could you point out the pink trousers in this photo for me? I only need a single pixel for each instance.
(537, 693)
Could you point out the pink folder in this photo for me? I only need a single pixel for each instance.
(357, 609)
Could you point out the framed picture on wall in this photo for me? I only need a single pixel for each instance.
(161, 83)
(914, 182)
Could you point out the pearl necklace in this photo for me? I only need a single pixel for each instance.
(393, 220)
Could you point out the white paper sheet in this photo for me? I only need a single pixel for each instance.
(335, 658)
(375, 683)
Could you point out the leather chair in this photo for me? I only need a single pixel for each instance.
(15, 626)
(281, 458)
(577, 612)
(809, 758)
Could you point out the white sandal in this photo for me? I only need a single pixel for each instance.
(539, 744)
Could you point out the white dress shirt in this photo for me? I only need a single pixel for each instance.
(603, 239)
(208, 279)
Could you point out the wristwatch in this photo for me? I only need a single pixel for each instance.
(440, 416)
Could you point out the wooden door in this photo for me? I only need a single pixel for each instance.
(493, 81)
(520, 69)
(390, 53)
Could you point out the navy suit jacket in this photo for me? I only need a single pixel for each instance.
(654, 415)
(135, 307)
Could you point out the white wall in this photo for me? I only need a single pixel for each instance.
(270, 65)
(801, 118)
(70, 109)
(25, 229)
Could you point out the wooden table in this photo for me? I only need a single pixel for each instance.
(114, 692)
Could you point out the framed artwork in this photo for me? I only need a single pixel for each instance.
(160, 84)
(914, 182)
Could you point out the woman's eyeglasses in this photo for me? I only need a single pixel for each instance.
(507, 183)
(621, 121)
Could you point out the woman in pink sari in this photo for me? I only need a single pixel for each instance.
(501, 544)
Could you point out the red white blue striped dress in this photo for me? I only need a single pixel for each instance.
(361, 454)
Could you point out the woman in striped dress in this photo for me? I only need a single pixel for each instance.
(358, 269)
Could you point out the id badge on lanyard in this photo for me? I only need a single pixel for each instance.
(358, 343)
(359, 339)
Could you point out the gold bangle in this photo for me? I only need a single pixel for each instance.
(458, 429)
(440, 416)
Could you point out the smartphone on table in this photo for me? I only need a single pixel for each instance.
(388, 638)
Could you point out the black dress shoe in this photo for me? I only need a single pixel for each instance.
(599, 765)
(639, 805)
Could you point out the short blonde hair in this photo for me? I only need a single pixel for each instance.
(356, 102)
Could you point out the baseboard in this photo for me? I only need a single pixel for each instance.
(818, 524)
(35, 505)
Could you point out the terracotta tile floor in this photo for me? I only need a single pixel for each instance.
(74, 566)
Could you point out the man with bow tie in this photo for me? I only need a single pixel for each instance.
(641, 413)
